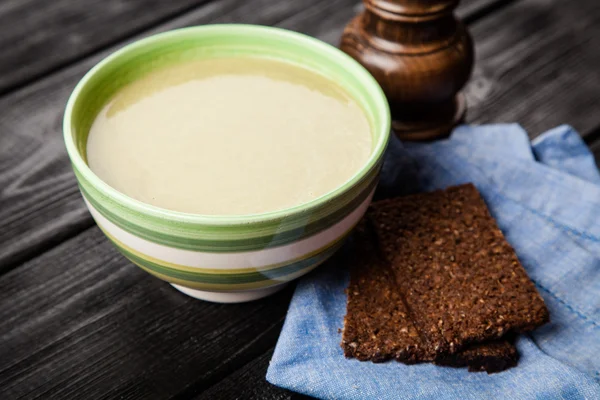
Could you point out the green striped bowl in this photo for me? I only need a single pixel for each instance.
(225, 258)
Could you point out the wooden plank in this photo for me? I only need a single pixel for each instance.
(39, 202)
(83, 322)
(250, 381)
(471, 10)
(537, 64)
(40, 36)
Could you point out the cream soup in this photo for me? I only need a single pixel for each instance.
(229, 136)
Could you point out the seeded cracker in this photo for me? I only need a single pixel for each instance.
(377, 326)
(433, 279)
(460, 279)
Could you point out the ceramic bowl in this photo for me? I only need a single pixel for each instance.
(225, 258)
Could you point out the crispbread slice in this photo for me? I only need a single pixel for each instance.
(378, 327)
(461, 281)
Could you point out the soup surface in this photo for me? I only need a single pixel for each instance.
(229, 136)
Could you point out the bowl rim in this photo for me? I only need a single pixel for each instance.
(361, 75)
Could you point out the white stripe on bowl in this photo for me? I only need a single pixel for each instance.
(249, 259)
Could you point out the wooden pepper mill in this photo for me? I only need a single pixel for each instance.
(421, 55)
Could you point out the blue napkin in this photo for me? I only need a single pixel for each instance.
(545, 196)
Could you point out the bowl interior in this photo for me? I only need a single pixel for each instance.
(214, 41)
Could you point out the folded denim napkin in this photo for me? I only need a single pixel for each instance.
(545, 196)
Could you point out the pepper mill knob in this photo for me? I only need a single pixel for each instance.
(421, 55)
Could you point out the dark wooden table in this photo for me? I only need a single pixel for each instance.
(77, 320)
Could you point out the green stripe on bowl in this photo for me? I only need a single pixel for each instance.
(263, 269)
(208, 279)
(229, 238)
(274, 274)
(215, 287)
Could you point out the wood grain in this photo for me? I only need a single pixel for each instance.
(471, 11)
(537, 64)
(249, 380)
(40, 36)
(83, 322)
